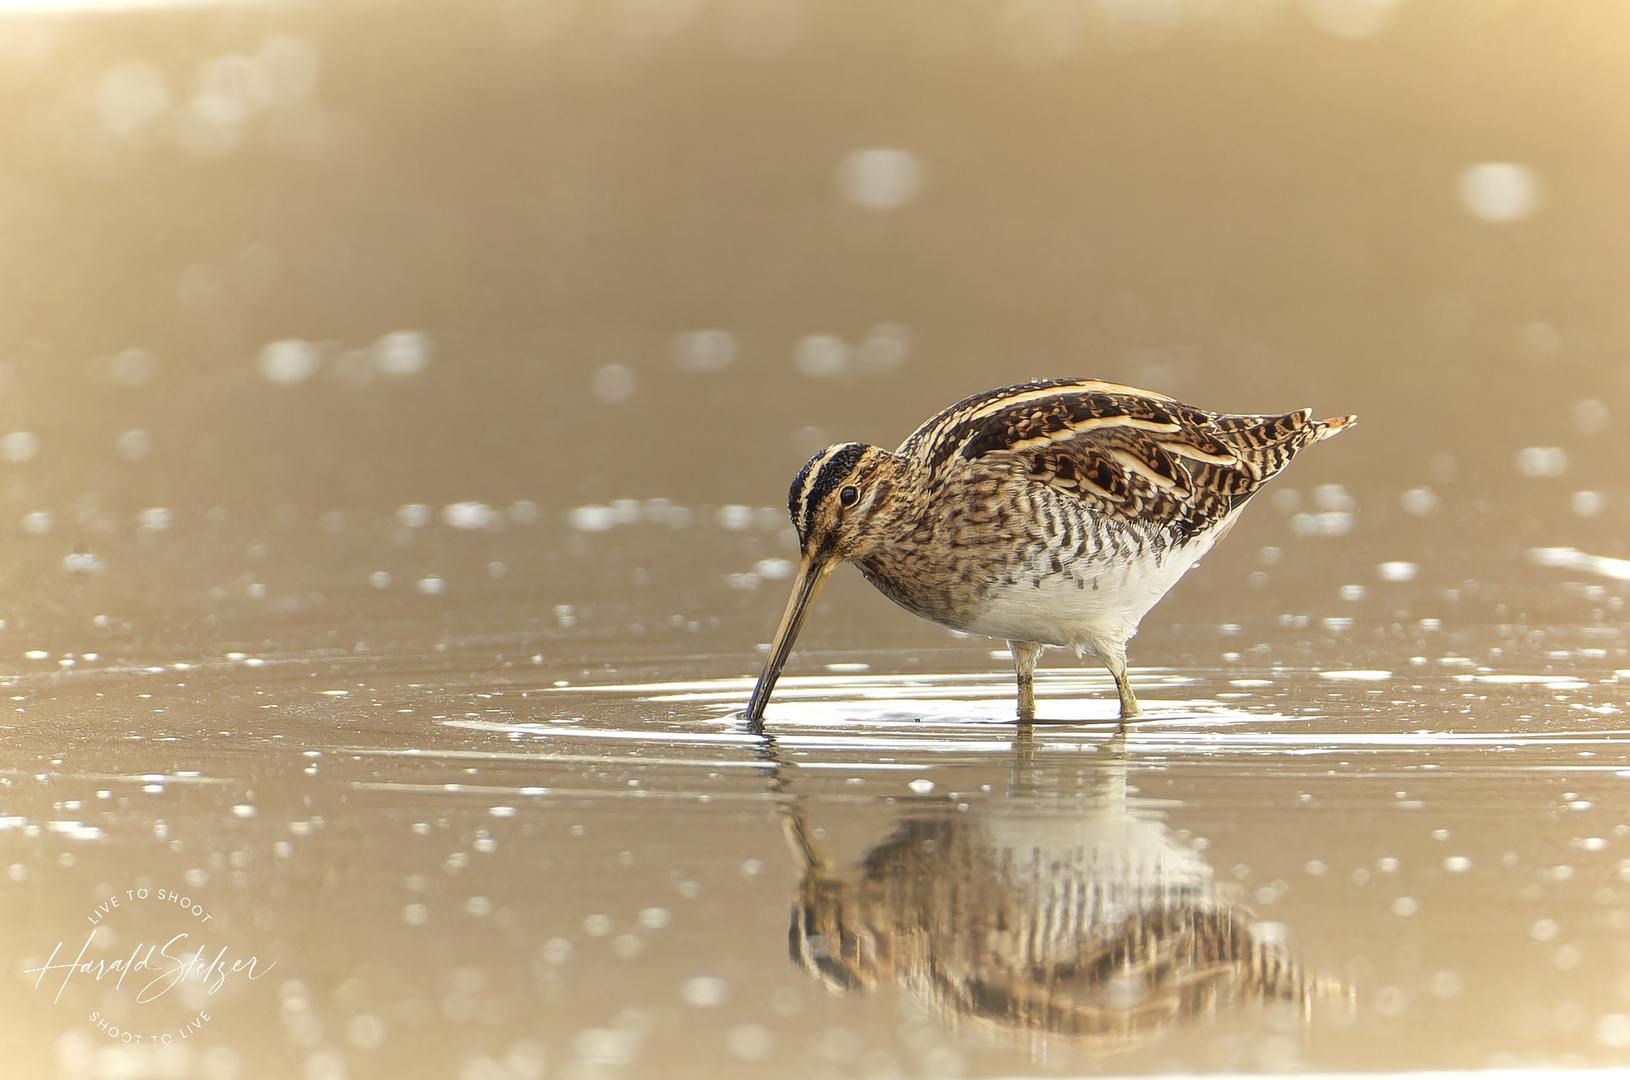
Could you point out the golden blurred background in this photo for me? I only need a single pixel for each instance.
(413, 322)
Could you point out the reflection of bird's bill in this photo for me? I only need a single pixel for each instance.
(812, 574)
(819, 937)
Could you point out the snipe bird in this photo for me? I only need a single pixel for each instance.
(1051, 513)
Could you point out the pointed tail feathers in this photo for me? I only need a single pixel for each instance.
(1333, 426)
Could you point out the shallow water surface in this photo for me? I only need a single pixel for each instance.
(491, 871)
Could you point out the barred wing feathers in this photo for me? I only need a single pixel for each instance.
(1125, 453)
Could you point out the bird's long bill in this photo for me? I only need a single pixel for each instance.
(812, 573)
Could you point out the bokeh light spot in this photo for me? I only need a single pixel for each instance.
(615, 383)
(404, 352)
(704, 350)
(1352, 19)
(881, 179)
(131, 97)
(1542, 461)
(134, 445)
(1500, 191)
(19, 446)
(288, 362)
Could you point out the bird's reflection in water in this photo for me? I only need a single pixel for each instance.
(1048, 914)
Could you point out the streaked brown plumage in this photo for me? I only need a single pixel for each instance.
(1055, 910)
(1048, 513)
(1074, 927)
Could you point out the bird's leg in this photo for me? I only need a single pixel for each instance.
(1024, 663)
(1115, 660)
(1024, 760)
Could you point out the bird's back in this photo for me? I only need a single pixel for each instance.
(1130, 455)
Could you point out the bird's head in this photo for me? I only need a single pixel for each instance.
(833, 498)
(834, 503)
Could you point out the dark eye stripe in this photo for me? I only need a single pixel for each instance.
(831, 474)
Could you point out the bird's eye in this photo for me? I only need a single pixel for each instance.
(849, 496)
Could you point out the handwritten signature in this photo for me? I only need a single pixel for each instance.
(172, 965)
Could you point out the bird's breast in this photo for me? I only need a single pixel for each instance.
(1040, 568)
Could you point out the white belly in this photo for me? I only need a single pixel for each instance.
(1091, 604)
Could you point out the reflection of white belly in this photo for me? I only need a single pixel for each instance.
(1091, 601)
(1081, 880)
(1143, 853)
